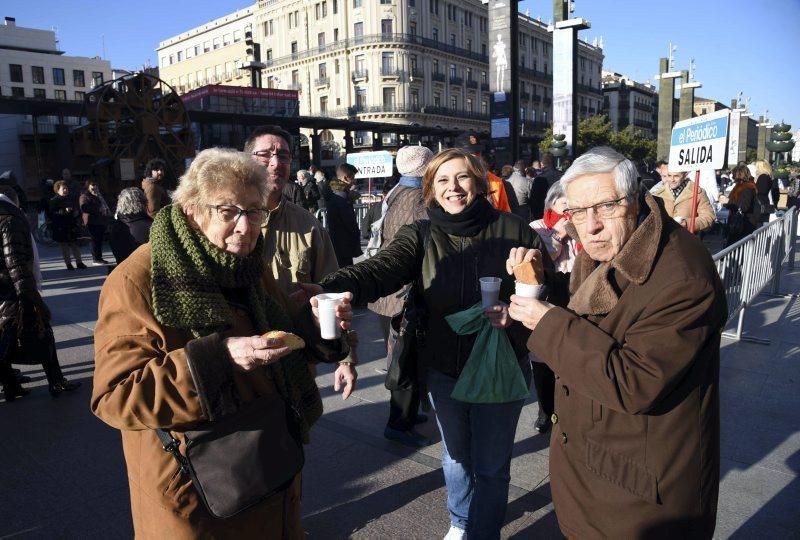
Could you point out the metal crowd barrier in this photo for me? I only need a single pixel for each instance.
(360, 210)
(750, 264)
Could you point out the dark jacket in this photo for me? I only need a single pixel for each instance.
(63, 214)
(312, 195)
(342, 228)
(550, 174)
(293, 192)
(17, 281)
(450, 269)
(634, 451)
(521, 187)
(373, 214)
(538, 196)
(92, 210)
(764, 188)
(127, 233)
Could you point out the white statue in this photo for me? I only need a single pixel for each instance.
(501, 62)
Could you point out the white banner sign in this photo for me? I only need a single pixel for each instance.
(563, 51)
(371, 164)
(733, 140)
(699, 143)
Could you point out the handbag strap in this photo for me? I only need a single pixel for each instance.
(170, 444)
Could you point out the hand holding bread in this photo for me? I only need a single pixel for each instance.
(525, 265)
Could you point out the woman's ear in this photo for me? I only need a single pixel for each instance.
(191, 216)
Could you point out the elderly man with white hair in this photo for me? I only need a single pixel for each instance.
(634, 451)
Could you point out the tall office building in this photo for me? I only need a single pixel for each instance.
(630, 103)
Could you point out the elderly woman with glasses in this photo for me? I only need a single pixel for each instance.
(180, 346)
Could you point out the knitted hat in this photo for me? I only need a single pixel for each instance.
(412, 160)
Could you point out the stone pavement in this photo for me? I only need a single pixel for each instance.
(64, 476)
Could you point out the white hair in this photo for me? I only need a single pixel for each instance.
(555, 192)
(604, 159)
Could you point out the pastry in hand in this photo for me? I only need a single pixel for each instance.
(526, 273)
(293, 341)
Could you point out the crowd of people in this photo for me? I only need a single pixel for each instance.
(621, 347)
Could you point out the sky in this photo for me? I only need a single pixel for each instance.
(752, 46)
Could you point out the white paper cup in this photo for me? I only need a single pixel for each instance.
(490, 291)
(526, 290)
(328, 322)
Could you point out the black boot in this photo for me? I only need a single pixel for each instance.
(543, 422)
(14, 390)
(62, 386)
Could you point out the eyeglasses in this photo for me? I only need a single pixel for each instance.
(267, 155)
(229, 212)
(603, 209)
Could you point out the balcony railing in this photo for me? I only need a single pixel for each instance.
(391, 72)
(379, 38)
(642, 106)
(531, 126)
(438, 76)
(322, 81)
(589, 89)
(456, 80)
(485, 87)
(457, 113)
(535, 74)
(472, 84)
(537, 98)
(360, 74)
(417, 74)
(525, 96)
(296, 86)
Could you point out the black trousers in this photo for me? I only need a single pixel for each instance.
(97, 232)
(545, 383)
(10, 354)
(403, 404)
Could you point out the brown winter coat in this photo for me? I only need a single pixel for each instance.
(156, 195)
(405, 206)
(634, 451)
(148, 376)
(682, 206)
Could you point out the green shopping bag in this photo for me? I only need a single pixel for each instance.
(492, 373)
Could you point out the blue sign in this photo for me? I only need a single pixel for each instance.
(371, 164)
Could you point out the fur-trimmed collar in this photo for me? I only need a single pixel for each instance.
(590, 288)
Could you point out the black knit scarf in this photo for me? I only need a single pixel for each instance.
(469, 222)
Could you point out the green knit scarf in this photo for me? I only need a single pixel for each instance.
(188, 274)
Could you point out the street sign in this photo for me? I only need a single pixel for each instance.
(371, 164)
(699, 143)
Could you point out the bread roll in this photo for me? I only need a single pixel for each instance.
(290, 340)
(526, 273)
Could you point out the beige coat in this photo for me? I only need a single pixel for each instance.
(156, 195)
(143, 381)
(297, 247)
(682, 206)
(634, 451)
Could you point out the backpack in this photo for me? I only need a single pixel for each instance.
(376, 229)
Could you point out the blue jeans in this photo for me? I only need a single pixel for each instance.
(477, 440)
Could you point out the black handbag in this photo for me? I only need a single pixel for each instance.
(238, 461)
(407, 332)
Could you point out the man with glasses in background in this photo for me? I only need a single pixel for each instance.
(634, 451)
(296, 246)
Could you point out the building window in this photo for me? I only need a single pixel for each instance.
(293, 48)
(335, 7)
(79, 96)
(39, 93)
(336, 66)
(270, 82)
(295, 79)
(412, 63)
(180, 55)
(437, 99)
(323, 70)
(386, 1)
(269, 55)
(483, 49)
(61, 94)
(412, 3)
(16, 73)
(323, 104)
(361, 98)
(226, 40)
(470, 106)
(414, 98)
(217, 41)
(197, 50)
(78, 78)
(37, 74)
(386, 26)
(356, 4)
(317, 11)
(484, 78)
(206, 46)
(268, 28)
(321, 39)
(435, 65)
(469, 44)
(358, 29)
(387, 63)
(97, 78)
(452, 40)
(237, 36)
(16, 91)
(412, 28)
(58, 77)
(453, 71)
(454, 102)
(435, 34)
(189, 53)
(335, 35)
(389, 97)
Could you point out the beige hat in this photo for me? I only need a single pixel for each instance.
(412, 160)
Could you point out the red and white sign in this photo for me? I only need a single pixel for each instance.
(239, 91)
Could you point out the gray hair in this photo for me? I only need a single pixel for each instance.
(219, 169)
(305, 173)
(555, 192)
(131, 201)
(604, 159)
